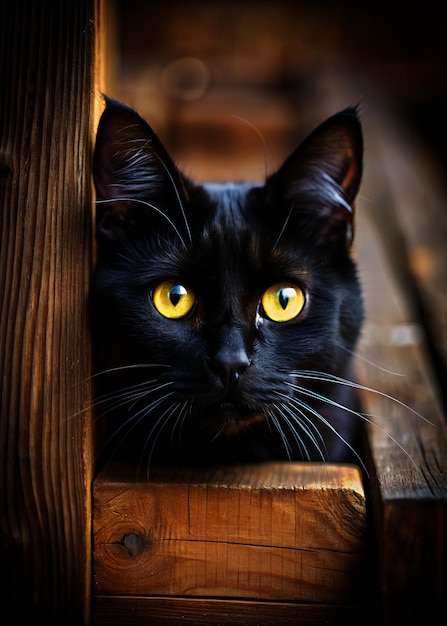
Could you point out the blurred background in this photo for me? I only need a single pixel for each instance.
(232, 86)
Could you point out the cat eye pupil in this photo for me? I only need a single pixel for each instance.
(176, 293)
(284, 295)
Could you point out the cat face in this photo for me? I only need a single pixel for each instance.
(224, 313)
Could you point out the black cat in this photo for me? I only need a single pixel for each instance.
(225, 315)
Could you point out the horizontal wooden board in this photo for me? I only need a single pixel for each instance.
(276, 531)
(162, 611)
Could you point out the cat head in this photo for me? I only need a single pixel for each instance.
(215, 297)
(135, 177)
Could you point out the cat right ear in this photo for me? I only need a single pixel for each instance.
(131, 169)
(322, 177)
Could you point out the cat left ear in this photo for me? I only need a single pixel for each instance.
(131, 169)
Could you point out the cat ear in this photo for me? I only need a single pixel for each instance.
(322, 177)
(131, 169)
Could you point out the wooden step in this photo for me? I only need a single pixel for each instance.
(282, 532)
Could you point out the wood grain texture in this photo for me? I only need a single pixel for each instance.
(272, 531)
(408, 487)
(400, 245)
(163, 611)
(407, 436)
(47, 81)
(422, 221)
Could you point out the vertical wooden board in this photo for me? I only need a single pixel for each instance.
(407, 436)
(408, 485)
(273, 531)
(422, 221)
(47, 86)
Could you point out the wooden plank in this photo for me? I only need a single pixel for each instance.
(407, 437)
(47, 83)
(419, 197)
(408, 488)
(273, 531)
(163, 611)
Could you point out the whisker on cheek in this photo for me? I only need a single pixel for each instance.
(125, 428)
(332, 379)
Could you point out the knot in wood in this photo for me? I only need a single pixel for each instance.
(134, 543)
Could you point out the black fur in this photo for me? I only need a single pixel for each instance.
(226, 383)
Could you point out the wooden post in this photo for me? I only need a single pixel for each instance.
(48, 74)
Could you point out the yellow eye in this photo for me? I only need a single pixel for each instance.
(283, 302)
(173, 300)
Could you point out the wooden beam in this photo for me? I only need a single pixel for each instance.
(422, 223)
(407, 435)
(400, 246)
(165, 611)
(48, 63)
(285, 532)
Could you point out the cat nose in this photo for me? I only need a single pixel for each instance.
(229, 367)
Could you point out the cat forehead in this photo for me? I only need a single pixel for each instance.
(231, 190)
(229, 198)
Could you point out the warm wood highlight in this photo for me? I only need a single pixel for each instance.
(47, 89)
(284, 532)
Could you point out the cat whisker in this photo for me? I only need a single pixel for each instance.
(129, 394)
(157, 428)
(135, 387)
(301, 422)
(275, 421)
(112, 400)
(260, 136)
(151, 206)
(180, 419)
(154, 404)
(317, 438)
(284, 226)
(122, 399)
(363, 417)
(332, 378)
(145, 393)
(301, 405)
(219, 432)
(365, 359)
(182, 208)
(122, 368)
(132, 422)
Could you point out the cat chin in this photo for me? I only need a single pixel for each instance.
(235, 420)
